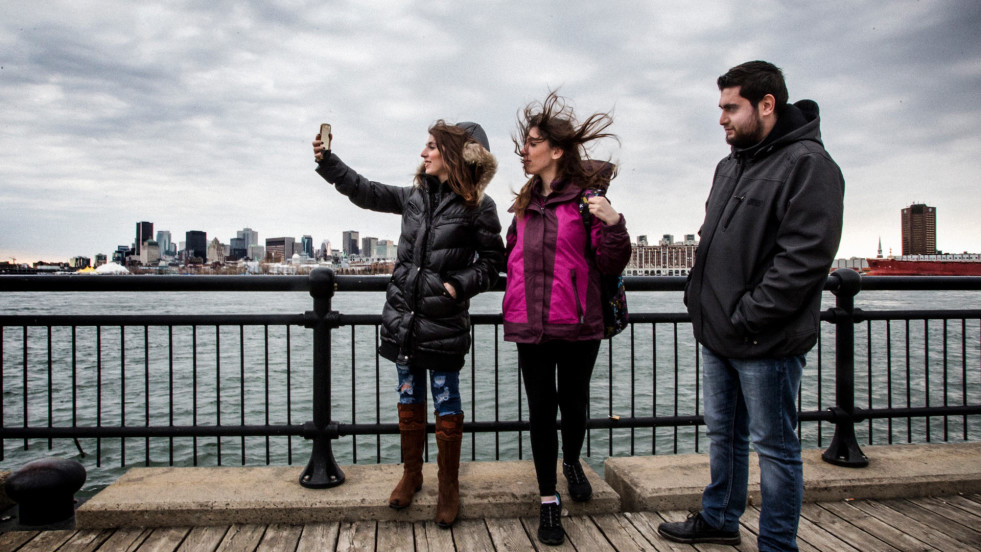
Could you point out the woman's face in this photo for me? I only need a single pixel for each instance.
(433, 161)
(537, 157)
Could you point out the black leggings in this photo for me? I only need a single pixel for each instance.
(539, 363)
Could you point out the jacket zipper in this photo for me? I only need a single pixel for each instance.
(575, 292)
(732, 213)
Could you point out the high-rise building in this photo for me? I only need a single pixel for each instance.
(919, 230)
(279, 249)
(306, 246)
(349, 243)
(144, 233)
(163, 241)
(197, 245)
(386, 249)
(368, 246)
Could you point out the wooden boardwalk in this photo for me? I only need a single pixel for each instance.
(948, 523)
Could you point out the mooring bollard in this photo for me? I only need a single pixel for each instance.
(44, 490)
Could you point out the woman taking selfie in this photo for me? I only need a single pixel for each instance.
(552, 306)
(450, 249)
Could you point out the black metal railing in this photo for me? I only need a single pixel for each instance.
(184, 388)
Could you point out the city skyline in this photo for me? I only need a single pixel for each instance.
(194, 116)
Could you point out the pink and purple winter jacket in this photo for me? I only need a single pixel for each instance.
(553, 290)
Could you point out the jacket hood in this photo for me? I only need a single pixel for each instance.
(796, 122)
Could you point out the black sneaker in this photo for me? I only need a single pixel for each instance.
(550, 524)
(579, 488)
(695, 530)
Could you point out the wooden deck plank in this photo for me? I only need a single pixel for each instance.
(47, 540)
(279, 537)
(12, 540)
(165, 539)
(948, 510)
(86, 540)
(356, 536)
(751, 519)
(317, 537)
(952, 528)
(433, 538)
(396, 536)
(922, 531)
(842, 529)
(968, 503)
(872, 525)
(125, 540)
(621, 533)
(471, 534)
(241, 537)
(202, 538)
(583, 533)
(509, 534)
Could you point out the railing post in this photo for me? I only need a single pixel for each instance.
(844, 449)
(322, 471)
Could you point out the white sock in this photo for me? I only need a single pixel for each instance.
(554, 499)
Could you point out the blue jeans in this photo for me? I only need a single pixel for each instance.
(754, 399)
(445, 387)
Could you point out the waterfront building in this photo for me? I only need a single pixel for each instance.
(100, 259)
(386, 249)
(80, 262)
(197, 245)
(324, 252)
(919, 226)
(306, 246)
(349, 243)
(144, 233)
(120, 254)
(217, 252)
(165, 244)
(667, 258)
(257, 252)
(150, 253)
(368, 246)
(279, 249)
(237, 248)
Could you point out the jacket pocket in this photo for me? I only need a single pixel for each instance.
(736, 202)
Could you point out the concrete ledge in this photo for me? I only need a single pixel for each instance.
(675, 482)
(171, 497)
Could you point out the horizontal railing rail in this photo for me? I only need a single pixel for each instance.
(39, 350)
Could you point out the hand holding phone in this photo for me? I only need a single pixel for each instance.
(325, 135)
(322, 146)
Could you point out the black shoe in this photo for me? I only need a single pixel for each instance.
(579, 488)
(695, 530)
(550, 524)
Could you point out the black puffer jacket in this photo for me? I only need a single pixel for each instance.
(442, 240)
(772, 225)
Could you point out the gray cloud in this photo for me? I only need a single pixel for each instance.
(200, 116)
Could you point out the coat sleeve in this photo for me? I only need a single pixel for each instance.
(483, 273)
(612, 246)
(363, 192)
(806, 242)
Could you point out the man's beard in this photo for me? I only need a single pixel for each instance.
(742, 139)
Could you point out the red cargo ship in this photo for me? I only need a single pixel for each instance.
(966, 264)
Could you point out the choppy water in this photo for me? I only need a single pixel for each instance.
(230, 375)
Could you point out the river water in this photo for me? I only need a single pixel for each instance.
(257, 375)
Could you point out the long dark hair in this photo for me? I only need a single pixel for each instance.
(466, 176)
(556, 123)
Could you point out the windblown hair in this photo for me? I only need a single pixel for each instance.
(556, 123)
(470, 166)
(756, 79)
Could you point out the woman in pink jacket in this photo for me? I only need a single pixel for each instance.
(552, 307)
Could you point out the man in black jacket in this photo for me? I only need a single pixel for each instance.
(772, 225)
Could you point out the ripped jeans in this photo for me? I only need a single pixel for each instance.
(445, 387)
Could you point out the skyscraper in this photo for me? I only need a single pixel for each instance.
(197, 244)
(349, 243)
(163, 240)
(368, 246)
(306, 246)
(279, 249)
(144, 233)
(919, 230)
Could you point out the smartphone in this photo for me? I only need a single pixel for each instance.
(325, 135)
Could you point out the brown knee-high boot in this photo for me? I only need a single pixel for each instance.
(449, 435)
(412, 428)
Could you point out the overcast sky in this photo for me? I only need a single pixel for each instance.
(199, 115)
